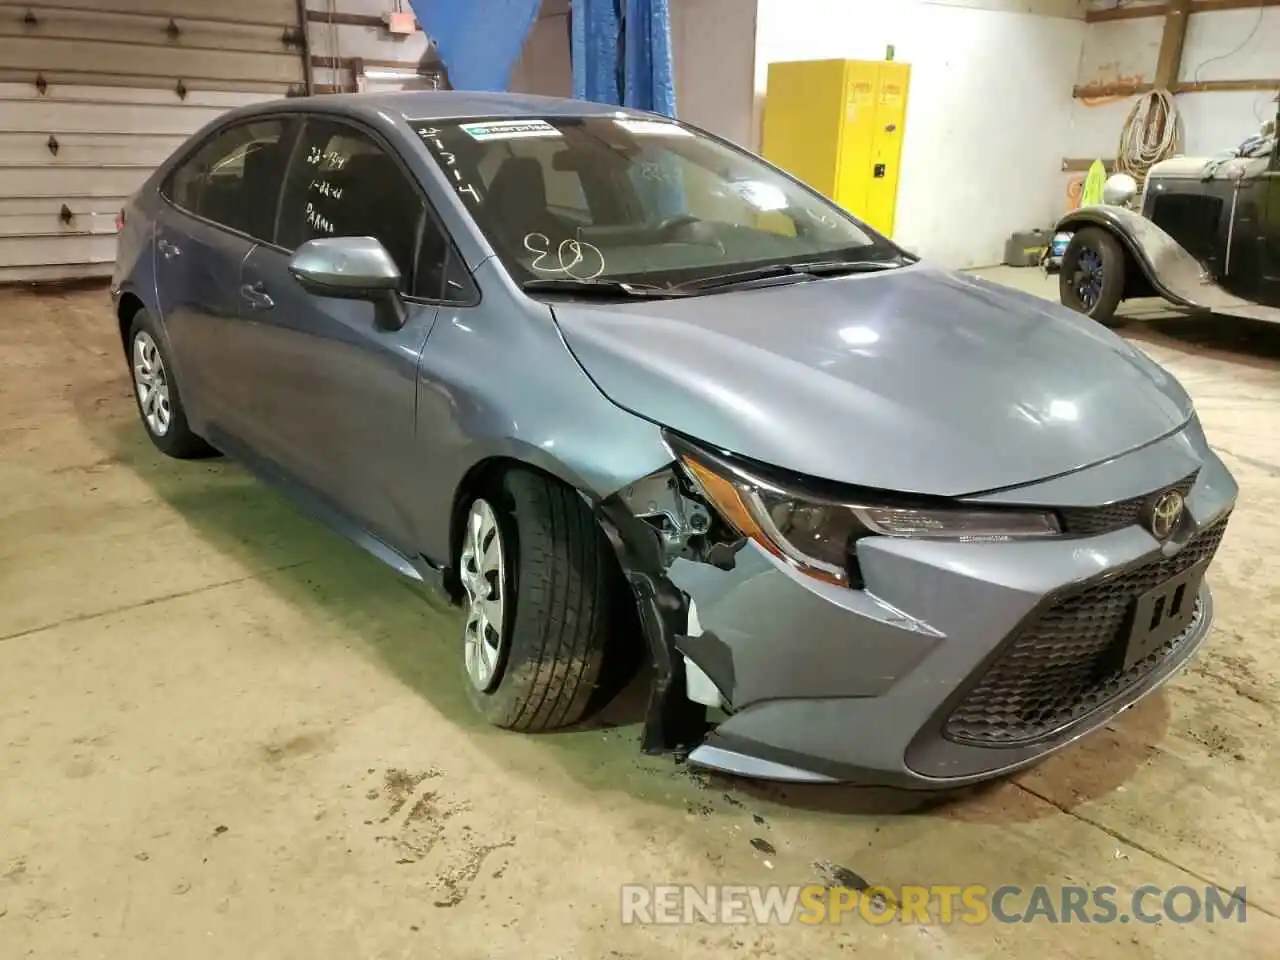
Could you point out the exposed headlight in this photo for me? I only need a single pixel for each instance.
(817, 533)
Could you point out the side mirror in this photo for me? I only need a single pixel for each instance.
(352, 268)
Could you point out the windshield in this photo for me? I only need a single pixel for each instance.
(635, 200)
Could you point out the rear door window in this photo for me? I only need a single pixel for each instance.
(234, 179)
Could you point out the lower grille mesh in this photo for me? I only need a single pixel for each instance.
(1063, 664)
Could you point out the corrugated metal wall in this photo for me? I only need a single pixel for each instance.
(94, 95)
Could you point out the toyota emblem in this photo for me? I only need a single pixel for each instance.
(1165, 514)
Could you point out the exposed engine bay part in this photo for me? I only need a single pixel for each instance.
(671, 719)
(679, 520)
(650, 524)
(669, 504)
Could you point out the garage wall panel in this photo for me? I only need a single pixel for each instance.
(185, 33)
(987, 114)
(93, 96)
(71, 149)
(1220, 45)
(544, 66)
(271, 12)
(714, 49)
(141, 60)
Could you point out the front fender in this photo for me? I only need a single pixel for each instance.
(1172, 272)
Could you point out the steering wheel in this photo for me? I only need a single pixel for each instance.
(693, 230)
(675, 222)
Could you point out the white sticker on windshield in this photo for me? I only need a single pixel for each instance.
(661, 128)
(509, 129)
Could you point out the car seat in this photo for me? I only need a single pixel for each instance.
(516, 204)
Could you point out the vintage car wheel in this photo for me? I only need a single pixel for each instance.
(538, 589)
(156, 393)
(1092, 277)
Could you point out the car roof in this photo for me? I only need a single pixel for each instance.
(415, 105)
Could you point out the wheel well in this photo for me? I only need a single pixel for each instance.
(125, 312)
(482, 476)
(630, 640)
(1136, 283)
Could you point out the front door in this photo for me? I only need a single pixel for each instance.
(221, 203)
(338, 393)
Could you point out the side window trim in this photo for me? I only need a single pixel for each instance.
(290, 129)
(299, 135)
(429, 210)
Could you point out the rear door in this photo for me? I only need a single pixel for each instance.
(221, 202)
(338, 408)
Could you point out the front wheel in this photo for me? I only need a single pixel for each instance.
(539, 597)
(1091, 280)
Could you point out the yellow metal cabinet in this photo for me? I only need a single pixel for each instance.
(837, 125)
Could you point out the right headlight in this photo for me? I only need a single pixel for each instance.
(817, 533)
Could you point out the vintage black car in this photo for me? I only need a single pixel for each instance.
(1205, 236)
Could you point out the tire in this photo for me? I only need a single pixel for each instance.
(1092, 277)
(537, 670)
(155, 391)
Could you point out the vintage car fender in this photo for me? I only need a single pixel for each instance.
(1172, 272)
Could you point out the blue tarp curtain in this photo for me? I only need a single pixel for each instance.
(479, 40)
(621, 51)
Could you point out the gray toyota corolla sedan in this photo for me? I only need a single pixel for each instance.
(613, 384)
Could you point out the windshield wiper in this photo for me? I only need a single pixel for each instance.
(802, 268)
(607, 288)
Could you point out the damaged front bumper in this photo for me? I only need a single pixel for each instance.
(955, 663)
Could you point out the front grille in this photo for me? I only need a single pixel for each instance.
(1092, 521)
(1065, 663)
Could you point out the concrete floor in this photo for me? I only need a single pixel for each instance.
(226, 733)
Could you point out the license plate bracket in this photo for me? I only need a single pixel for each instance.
(1162, 613)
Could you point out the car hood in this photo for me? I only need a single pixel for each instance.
(916, 379)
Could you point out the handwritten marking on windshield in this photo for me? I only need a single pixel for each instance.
(569, 257)
(431, 136)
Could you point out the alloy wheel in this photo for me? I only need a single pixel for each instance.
(1088, 278)
(152, 383)
(483, 574)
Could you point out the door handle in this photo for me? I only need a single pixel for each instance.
(169, 250)
(257, 296)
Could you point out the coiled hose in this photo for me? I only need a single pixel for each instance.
(1152, 132)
